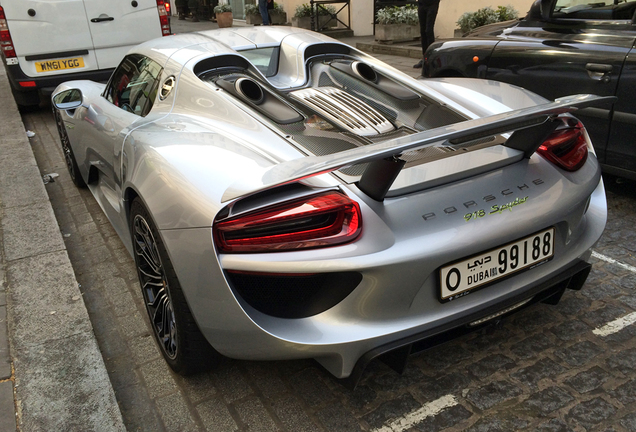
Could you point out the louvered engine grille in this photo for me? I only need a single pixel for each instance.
(345, 110)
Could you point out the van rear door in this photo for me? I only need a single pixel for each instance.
(50, 37)
(118, 25)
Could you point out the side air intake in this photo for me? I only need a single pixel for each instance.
(345, 110)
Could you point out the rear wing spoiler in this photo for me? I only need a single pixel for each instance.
(530, 127)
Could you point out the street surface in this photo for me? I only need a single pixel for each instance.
(547, 368)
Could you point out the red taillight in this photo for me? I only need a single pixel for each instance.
(566, 147)
(163, 18)
(167, 5)
(319, 220)
(6, 44)
(27, 84)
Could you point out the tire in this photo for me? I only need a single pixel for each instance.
(69, 157)
(183, 346)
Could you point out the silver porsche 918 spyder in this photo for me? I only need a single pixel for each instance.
(287, 196)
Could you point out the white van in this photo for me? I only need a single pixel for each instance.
(47, 42)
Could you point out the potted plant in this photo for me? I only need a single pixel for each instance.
(471, 20)
(223, 14)
(397, 24)
(302, 17)
(253, 16)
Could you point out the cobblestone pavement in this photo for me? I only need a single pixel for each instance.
(544, 369)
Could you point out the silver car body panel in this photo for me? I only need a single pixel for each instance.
(201, 151)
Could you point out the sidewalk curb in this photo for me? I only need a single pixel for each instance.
(60, 380)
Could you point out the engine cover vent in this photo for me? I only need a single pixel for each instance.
(345, 110)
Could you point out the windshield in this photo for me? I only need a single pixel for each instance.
(265, 59)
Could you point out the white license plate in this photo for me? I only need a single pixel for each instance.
(460, 278)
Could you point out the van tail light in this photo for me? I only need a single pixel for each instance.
(566, 147)
(6, 44)
(321, 220)
(163, 18)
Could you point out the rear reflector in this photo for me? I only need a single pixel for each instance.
(566, 147)
(27, 84)
(319, 220)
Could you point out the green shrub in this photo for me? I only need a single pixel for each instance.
(252, 9)
(304, 10)
(471, 20)
(222, 8)
(398, 15)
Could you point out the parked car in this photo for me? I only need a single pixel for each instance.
(561, 47)
(287, 196)
(45, 43)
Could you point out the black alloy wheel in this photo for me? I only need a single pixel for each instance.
(183, 346)
(69, 157)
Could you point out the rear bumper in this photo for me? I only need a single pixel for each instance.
(46, 84)
(395, 354)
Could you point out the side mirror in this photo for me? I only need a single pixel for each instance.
(67, 99)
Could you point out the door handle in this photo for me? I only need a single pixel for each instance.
(100, 19)
(597, 67)
(599, 72)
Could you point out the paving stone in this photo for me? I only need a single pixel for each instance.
(489, 365)
(231, 383)
(293, 415)
(624, 361)
(494, 424)
(546, 401)
(569, 330)
(175, 414)
(588, 380)
(591, 413)
(216, 417)
(544, 368)
(144, 349)
(602, 291)
(554, 425)
(137, 409)
(361, 397)
(573, 305)
(392, 381)
(447, 418)
(625, 393)
(391, 410)
(433, 388)
(579, 354)
(309, 385)
(493, 394)
(532, 346)
(629, 300)
(628, 282)
(270, 384)
(336, 418)
(629, 422)
(602, 316)
(158, 378)
(198, 387)
(7, 407)
(254, 415)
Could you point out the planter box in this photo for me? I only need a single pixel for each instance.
(389, 33)
(276, 18)
(224, 19)
(305, 22)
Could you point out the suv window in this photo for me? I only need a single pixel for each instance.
(133, 86)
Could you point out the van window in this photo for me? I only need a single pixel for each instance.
(133, 86)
